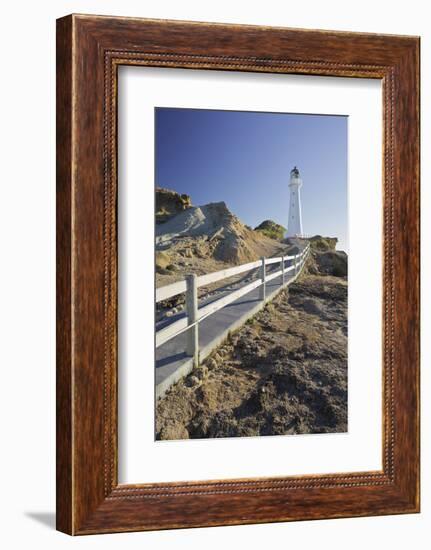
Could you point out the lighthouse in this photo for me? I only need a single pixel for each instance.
(294, 224)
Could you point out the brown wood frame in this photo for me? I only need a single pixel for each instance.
(89, 50)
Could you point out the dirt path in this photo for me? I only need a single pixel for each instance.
(285, 372)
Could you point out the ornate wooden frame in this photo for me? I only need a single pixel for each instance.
(89, 50)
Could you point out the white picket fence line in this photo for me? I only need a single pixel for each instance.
(169, 291)
(194, 314)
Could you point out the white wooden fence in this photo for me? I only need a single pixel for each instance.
(190, 285)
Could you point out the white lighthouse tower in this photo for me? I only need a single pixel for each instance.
(294, 225)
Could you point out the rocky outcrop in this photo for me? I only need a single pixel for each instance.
(271, 229)
(212, 230)
(164, 264)
(170, 203)
(331, 262)
(323, 244)
(324, 258)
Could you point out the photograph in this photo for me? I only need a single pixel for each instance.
(212, 305)
(251, 273)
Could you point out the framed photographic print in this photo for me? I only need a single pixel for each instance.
(237, 274)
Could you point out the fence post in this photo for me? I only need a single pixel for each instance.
(192, 317)
(282, 270)
(305, 255)
(263, 277)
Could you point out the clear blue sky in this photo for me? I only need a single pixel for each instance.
(245, 158)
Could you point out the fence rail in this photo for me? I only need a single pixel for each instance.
(169, 291)
(194, 314)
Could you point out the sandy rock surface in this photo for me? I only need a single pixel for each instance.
(217, 233)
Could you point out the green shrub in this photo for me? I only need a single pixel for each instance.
(272, 230)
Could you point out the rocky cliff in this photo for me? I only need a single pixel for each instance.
(330, 262)
(212, 231)
(170, 203)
